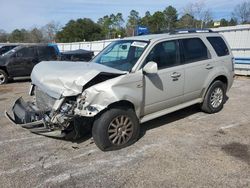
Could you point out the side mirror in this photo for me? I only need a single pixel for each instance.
(150, 68)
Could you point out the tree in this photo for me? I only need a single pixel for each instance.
(186, 21)
(112, 25)
(50, 30)
(118, 21)
(80, 30)
(19, 36)
(242, 12)
(3, 36)
(133, 20)
(199, 12)
(232, 22)
(35, 36)
(171, 16)
(145, 21)
(223, 22)
(157, 22)
(105, 23)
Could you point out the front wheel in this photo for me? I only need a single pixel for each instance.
(214, 98)
(3, 77)
(115, 129)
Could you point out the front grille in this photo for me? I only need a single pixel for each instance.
(43, 101)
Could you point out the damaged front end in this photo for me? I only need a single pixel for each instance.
(60, 106)
(46, 115)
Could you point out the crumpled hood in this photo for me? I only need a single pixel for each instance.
(62, 78)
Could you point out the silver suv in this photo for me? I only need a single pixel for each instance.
(133, 80)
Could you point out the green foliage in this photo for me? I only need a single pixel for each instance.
(18, 35)
(80, 30)
(171, 16)
(223, 22)
(157, 22)
(112, 26)
(232, 22)
(3, 36)
(133, 21)
(186, 21)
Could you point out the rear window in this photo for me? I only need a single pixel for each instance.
(219, 45)
(194, 50)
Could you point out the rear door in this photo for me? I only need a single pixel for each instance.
(198, 65)
(164, 89)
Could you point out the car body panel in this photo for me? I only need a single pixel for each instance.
(162, 91)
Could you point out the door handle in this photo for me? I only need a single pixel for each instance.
(175, 75)
(208, 67)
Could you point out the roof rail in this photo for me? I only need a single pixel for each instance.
(184, 31)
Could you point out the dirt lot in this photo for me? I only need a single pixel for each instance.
(187, 148)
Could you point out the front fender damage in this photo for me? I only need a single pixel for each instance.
(99, 97)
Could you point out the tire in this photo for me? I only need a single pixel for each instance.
(116, 128)
(214, 98)
(3, 77)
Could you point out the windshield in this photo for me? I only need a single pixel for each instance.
(121, 54)
(10, 52)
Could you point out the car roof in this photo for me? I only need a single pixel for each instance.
(154, 37)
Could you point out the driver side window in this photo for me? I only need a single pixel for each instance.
(165, 54)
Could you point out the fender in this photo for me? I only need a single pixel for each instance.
(123, 88)
(215, 73)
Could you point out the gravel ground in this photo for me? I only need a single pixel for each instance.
(187, 148)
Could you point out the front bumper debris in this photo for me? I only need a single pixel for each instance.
(26, 115)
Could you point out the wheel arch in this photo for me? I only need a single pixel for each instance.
(221, 78)
(4, 69)
(122, 103)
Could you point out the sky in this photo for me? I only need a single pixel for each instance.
(36, 13)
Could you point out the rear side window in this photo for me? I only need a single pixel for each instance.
(194, 50)
(219, 45)
(46, 52)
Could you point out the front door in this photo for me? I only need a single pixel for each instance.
(22, 62)
(164, 89)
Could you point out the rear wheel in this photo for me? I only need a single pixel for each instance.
(3, 77)
(115, 129)
(215, 98)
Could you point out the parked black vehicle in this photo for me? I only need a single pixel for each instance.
(6, 48)
(77, 55)
(20, 61)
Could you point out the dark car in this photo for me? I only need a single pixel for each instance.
(20, 61)
(6, 48)
(77, 55)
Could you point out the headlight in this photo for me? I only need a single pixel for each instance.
(65, 108)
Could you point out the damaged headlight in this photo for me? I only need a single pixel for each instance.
(68, 107)
(65, 108)
(81, 100)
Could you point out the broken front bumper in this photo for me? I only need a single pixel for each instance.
(27, 115)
